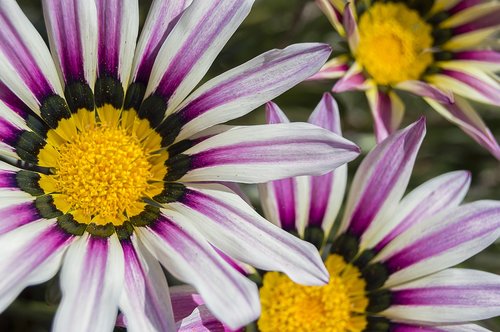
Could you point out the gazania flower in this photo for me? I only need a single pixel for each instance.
(102, 147)
(390, 257)
(433, 49)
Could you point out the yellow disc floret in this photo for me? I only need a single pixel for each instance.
(102, 174)
(394, 43)
(336, 307)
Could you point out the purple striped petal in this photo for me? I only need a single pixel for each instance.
(387, 110)
(381, 179)
(118, 26)
(268, 152)
(91, 284)
(426, 90)
(450, 296)
(30, 255)
(12, 101)
(334, 68)
(72, 29)
(455, 236)
(26, 65)
(274, 114)
(354, 79)
(185, 253)
(326, 191)
(192, 46)
(400, 327)
(462, 114)
(201, 319)
(464, 4)
(434, 196)
(333, 13)
(14, 216)
(488, 59)
(478, 85)
(484, 19)
(145, 299)
(351, 26)
(184, 300)
(162, 17)
(244, 88)
(9, 134)
(236, 229)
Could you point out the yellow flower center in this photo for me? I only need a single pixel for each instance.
(104, 170)
(336, 307)
(394, 43)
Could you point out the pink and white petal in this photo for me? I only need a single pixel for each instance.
(192, 45)
(244, 88)
(12, 125)
(145, 299)
(334, 68)
(449, 296)
(424, 89)
(184, 300)
(443, 5)
(464, 4)
(387, 110)
(17, 215)
(431, 198)
(487, 60)
(481, 16)
(455, 236)
(72, 31)
(189, 257)
(118, 24)
(162, 16)
(91, 284)
(402, 327)
(274, 114)
(463, 114)
(351, 26)
(236, 229)
(30, 255)
(202, 320)
(333, 10)
(263, 153)
(353, 79)
(328, 189)
(381, 179)
(26, 66)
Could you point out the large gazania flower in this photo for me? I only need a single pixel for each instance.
(389, 256)
(428, 48)
(100, 151)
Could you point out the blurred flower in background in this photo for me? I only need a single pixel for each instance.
(439, 50)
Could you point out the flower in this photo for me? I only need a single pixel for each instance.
(433, 49)
(390, 255)
(104, 151)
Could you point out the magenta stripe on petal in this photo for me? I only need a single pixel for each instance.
(486, 21)
(443, 240)
(193, 47)
(284, 191)
(66, 33)
(8, 133)
(321, 187)
(230, 90)
(348, 83)
(413, 328)
(19, 55)
(110, 17)
(464, 4)
(483, 88)
(8, 179)
(13, 101)
(473, 295)
(15, 216)
(386, 174)
(478, 55)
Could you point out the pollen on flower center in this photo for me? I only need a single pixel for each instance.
(394, 43)
(338, 306)
(101, 175)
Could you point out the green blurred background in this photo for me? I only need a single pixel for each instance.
(276, 24)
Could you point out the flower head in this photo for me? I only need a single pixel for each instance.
(104, 150)
(433, 49)
(390, 255)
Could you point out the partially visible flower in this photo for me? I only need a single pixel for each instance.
(390, 256)
(433, 49)
(103, 152)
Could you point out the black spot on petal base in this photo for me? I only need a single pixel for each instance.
(79, 95)
(346, 246)
(54, 109)
(102, 231)
(70, 225)
(28, 182)
(108, 90)
(375, 276)
(146, 217)
(46, 208)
